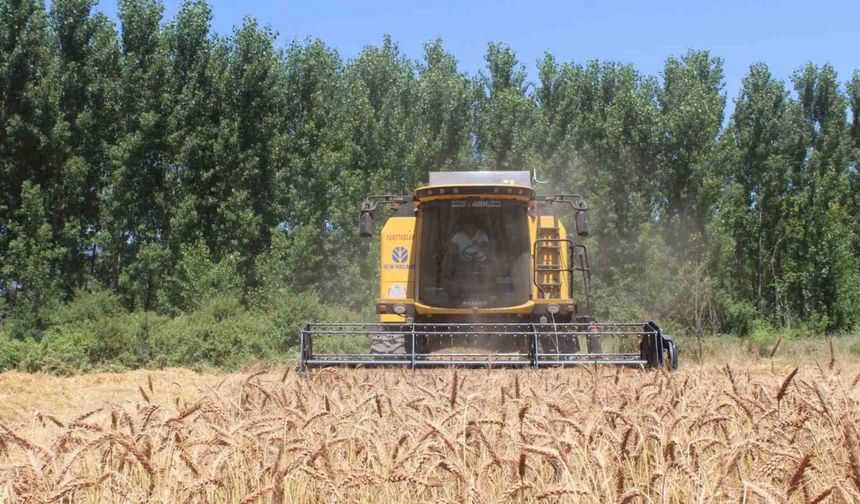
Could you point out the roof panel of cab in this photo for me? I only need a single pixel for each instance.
(486, 191)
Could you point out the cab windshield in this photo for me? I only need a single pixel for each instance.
(474, 254)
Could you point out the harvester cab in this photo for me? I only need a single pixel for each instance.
(477, 270)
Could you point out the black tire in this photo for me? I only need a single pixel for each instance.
(569, 344)
(557, 343)
(389, 344)
(671, 354)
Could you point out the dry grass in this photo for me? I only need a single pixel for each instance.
(707, 433)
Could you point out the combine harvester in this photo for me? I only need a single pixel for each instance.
(476, 270)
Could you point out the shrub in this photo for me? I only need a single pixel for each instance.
(288, 312)
(24, 354)
(66, 350)
(199, 279)
(8, 352)
(221, 334)
(94, 331)
(86, 307)
(738, 316)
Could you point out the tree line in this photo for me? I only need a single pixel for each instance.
(155, 159)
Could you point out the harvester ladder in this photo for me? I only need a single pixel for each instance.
(550, 262)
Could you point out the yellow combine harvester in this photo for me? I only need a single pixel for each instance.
(477, 270)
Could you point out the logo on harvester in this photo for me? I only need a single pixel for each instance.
(400, 255)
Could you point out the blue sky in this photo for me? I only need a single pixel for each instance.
(783, 34)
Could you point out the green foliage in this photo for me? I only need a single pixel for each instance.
(92, 331)
(198, 280)
(31, 264)
(506, 115)
(96, 332)
(9, 354)
(169, 196)
(739, 316)
(220, 334)
(15, 353)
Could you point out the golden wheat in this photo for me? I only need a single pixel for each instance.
(784, 434)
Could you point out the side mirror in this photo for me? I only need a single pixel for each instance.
(365, 224)
(582, 222)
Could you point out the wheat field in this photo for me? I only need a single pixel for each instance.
(763, 431)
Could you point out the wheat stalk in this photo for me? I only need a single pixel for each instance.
(784, 387)
(797, 477)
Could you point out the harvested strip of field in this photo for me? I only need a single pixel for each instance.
(702, 434)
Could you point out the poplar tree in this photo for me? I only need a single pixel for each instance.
(823, 282)
(504, 113)
(318, 195)
(755, 199)
(88, 64)
(691, 102)
(135, 212)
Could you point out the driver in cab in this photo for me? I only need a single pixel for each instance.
(471, 243)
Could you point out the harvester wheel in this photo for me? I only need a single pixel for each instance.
(389, 344)
(672, 354)
(559, 343)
